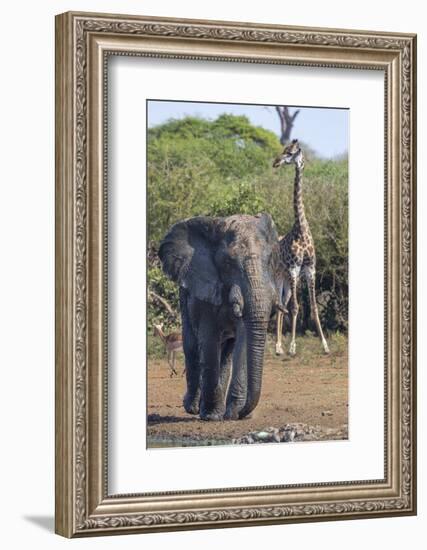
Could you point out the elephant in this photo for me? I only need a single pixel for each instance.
(227, 271)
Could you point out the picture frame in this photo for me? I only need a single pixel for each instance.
(84, 42)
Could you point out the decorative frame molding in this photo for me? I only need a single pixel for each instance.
(83, 43)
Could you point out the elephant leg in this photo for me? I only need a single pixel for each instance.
(192, 374)
(211, 402)
(192, 361)
(236, 396)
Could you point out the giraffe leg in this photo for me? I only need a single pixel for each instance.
(310, 276)
(279, 323)
(279, 326)
(279, 332)
(294, 311)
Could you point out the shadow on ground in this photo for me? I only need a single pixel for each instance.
(169, 419)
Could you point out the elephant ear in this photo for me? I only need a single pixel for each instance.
(268, 230)
(187, 253)
(267, 227)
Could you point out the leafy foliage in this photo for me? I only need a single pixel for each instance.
(223, 167)
(198, 167)
(164, 287)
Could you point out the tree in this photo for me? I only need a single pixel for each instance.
(286, 123)
(205, 167)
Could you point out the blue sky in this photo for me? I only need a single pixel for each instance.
(324, 130)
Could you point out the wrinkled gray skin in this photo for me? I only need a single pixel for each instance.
(227, 272)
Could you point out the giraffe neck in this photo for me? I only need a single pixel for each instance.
(299, 213)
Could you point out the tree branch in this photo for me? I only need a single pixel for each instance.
(294, 116)
(163, 302)
(286, 123)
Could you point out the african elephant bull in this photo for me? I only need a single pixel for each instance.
(227, 272)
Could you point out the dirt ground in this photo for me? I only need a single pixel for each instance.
(311, 388)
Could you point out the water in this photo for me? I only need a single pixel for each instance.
(157, 442)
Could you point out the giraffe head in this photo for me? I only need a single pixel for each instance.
(291, 154)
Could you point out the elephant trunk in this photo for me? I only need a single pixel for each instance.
(256, 334)
(256, 318)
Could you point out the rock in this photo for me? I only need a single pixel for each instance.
(261, 436)
(244, 440)
(296, 431)
(288, 435)
(327, 413)
(276, 437)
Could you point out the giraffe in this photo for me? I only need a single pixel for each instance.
(297, 254)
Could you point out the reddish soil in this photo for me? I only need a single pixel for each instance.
(311, 388)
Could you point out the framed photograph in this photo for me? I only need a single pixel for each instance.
(235, 274)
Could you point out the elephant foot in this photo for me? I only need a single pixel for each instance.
(233, 411)
(293, 349)
(191, 404)
(211, 416)
(246, 416)
(212, 405)
(231, 415)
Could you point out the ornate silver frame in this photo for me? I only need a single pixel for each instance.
(83, 42)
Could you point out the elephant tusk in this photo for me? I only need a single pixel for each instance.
(237, 310)
(281, 308)
(235, 299)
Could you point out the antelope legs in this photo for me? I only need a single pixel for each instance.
(171, 361)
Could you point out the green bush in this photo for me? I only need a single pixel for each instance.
(159, 283)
